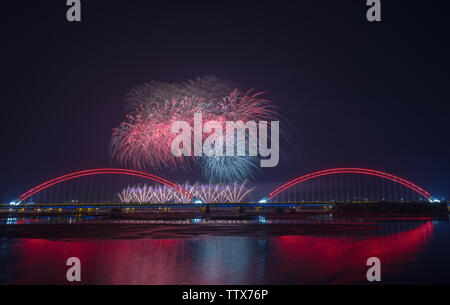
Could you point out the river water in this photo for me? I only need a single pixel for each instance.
(312, 251)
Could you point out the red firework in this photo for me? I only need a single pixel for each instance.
(144, 140)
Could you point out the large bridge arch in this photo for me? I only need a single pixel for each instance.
(100, 171)
(363, 171)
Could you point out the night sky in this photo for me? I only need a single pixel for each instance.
(357, 94)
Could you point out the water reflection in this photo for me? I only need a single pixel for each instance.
(343, 260)
(263, 259)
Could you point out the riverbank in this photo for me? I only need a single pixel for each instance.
(235, 212)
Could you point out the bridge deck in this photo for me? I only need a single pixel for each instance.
(181, 205)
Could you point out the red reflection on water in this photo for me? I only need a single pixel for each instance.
(137, 261)
(343, 260)
(217, 260)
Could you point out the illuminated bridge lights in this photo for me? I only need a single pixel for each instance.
(189, 195)
(363, 171)
(99, 171)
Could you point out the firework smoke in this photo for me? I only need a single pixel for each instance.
(208, 87)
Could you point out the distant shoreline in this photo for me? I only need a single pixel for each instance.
(236, 211)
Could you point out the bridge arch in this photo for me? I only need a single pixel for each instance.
(363, 171)
(100, 171)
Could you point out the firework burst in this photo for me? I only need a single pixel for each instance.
(227, 169)
(144, 140)
(207, 193)
(236, 192)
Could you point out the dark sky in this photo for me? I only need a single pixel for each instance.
(357, 94)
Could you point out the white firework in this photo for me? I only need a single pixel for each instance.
(143, 194)
(236, 192)
(211, 193)
(207, 193)
(126, 195)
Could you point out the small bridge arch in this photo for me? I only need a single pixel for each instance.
(101, 171)
(348, 170)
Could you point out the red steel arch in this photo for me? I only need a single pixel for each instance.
(100, 171)
(363, 171)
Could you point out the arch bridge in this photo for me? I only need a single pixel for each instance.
(101, 171)
(329, 185)
(314, 187)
